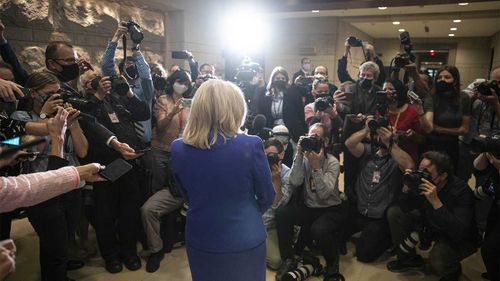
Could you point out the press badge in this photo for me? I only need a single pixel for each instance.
(376, 176)
(113, 118)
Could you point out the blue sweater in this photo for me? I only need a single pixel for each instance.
(228, 187)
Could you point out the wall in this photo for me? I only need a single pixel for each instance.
(495, 43)
(87, 24)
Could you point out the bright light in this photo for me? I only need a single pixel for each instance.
(451, 35)
(395, 22)
(463, 4)
(243, 31)
(314, 11)
(382, 8)
(453, 28)
(401, 30)
(457, 20)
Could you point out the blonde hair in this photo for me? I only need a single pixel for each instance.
(217, 108)
(370, 66)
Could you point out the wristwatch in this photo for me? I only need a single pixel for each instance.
(43, 115)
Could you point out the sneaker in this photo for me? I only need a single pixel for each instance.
(287, 265)
(405, 264)
(154, 260)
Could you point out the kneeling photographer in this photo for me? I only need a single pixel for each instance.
(435, 206)
(487, 168)
(321, 208)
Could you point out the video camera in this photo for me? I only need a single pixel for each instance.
(485, 88)
(136, 35)
(312, 143)
(414, 179)
(118, 84)
(401, 60)
(489, 144)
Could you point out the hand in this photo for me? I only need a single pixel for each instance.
(493, 161)
(104, 86)
(189, 54)
(7, 258)
(385, 135)
(429, 190)
(90, 172)
(52, 104)
(57, 125)
(406, 189)
(9, 160)
(125, 150)
(73, 115)
(8, 91)
(492, 99)
(2, 29)
(121, 31)
(177, 107)
(299, 146)
(314, 159)
(339, 96)
(332, 111)
(84, 66)
(410, 133)
(276, 172)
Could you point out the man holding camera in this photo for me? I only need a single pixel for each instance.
(135, 69)
(117, 203)
(439, 207)
(305, 69)
(382, 163)
(320, 210)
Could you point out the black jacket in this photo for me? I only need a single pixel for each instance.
(9, 56)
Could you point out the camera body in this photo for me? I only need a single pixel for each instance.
(118, 84)
(135, 32)
(489, 144)
(312, 143)
(414, 179)
(311, 266)
(272, 158)
(159, 82)
(304, 80)
(322, 103)
(354, 42)
(76, 102)
(246, 72)
(484, 88)
(378, 122)
(206, 77)
(401, 60)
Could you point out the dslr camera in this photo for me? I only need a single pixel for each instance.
(246, 71)
(354, 42)
(272, 158)
(489, 144)
(322, 103)
(118, 84)
(381, 103)
(485, 88)
(401, 60)
(159, 82)
(135, 32)
(414, 179)
(311, 266)
(312, 143)
(76, 101)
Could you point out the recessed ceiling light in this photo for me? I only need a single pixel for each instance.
(395, 22)
(382, 8)
(401, 30)
(451, 34)
(457, 20)
(315, 11)
(453, 28)
(463, 4)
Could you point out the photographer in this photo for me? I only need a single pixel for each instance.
(443, 205)
(280, 176)
(487, 174)
(321, 210)
(377, 185)
(136, 71)
(117, 203)
(305, 69)
(316, 112)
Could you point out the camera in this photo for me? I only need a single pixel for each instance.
(486, 144)
(246, 71)
(322, 103)
(159, 82)
(206, 77)
(272, 158)
(484, 88)
(401, 60)
(118, 84)
(304, 80)
(135, 32)
(378, 122)
(76, 101)
(312, 143)
(354, 42)
(310, 266)
(414, 179)
(486, 189)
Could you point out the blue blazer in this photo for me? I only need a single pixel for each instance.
(228, 187)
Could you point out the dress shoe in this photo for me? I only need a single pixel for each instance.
(132, 263)
(74, 264)
(405, 264)
(154, 260)
(114, 266)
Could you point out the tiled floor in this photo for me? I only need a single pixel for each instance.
(175, 266)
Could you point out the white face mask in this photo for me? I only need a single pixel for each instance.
(306, 66)
(180, 88)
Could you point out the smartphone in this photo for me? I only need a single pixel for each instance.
(13, 149)
(115, 170)
(144, 150)
(28, 155)
(186, 102)
(180, 55)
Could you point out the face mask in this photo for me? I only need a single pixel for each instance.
(255, 80)
(306, 67)
(132, 71)
(280, 84)
(443, 86)
(180, 88)
(69, 72)
(365, 83)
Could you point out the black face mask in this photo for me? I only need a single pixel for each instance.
(132, 72)
(69, 72)
(443, 86)
(365, 83)
(280, 84)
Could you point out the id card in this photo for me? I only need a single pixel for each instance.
(113, 118)
(376, 177)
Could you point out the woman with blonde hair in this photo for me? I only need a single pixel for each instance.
(225, 177)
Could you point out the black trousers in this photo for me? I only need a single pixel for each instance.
(375, 235)
(117, 216)
(320, 223)
(54, 220)
(491, 246)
